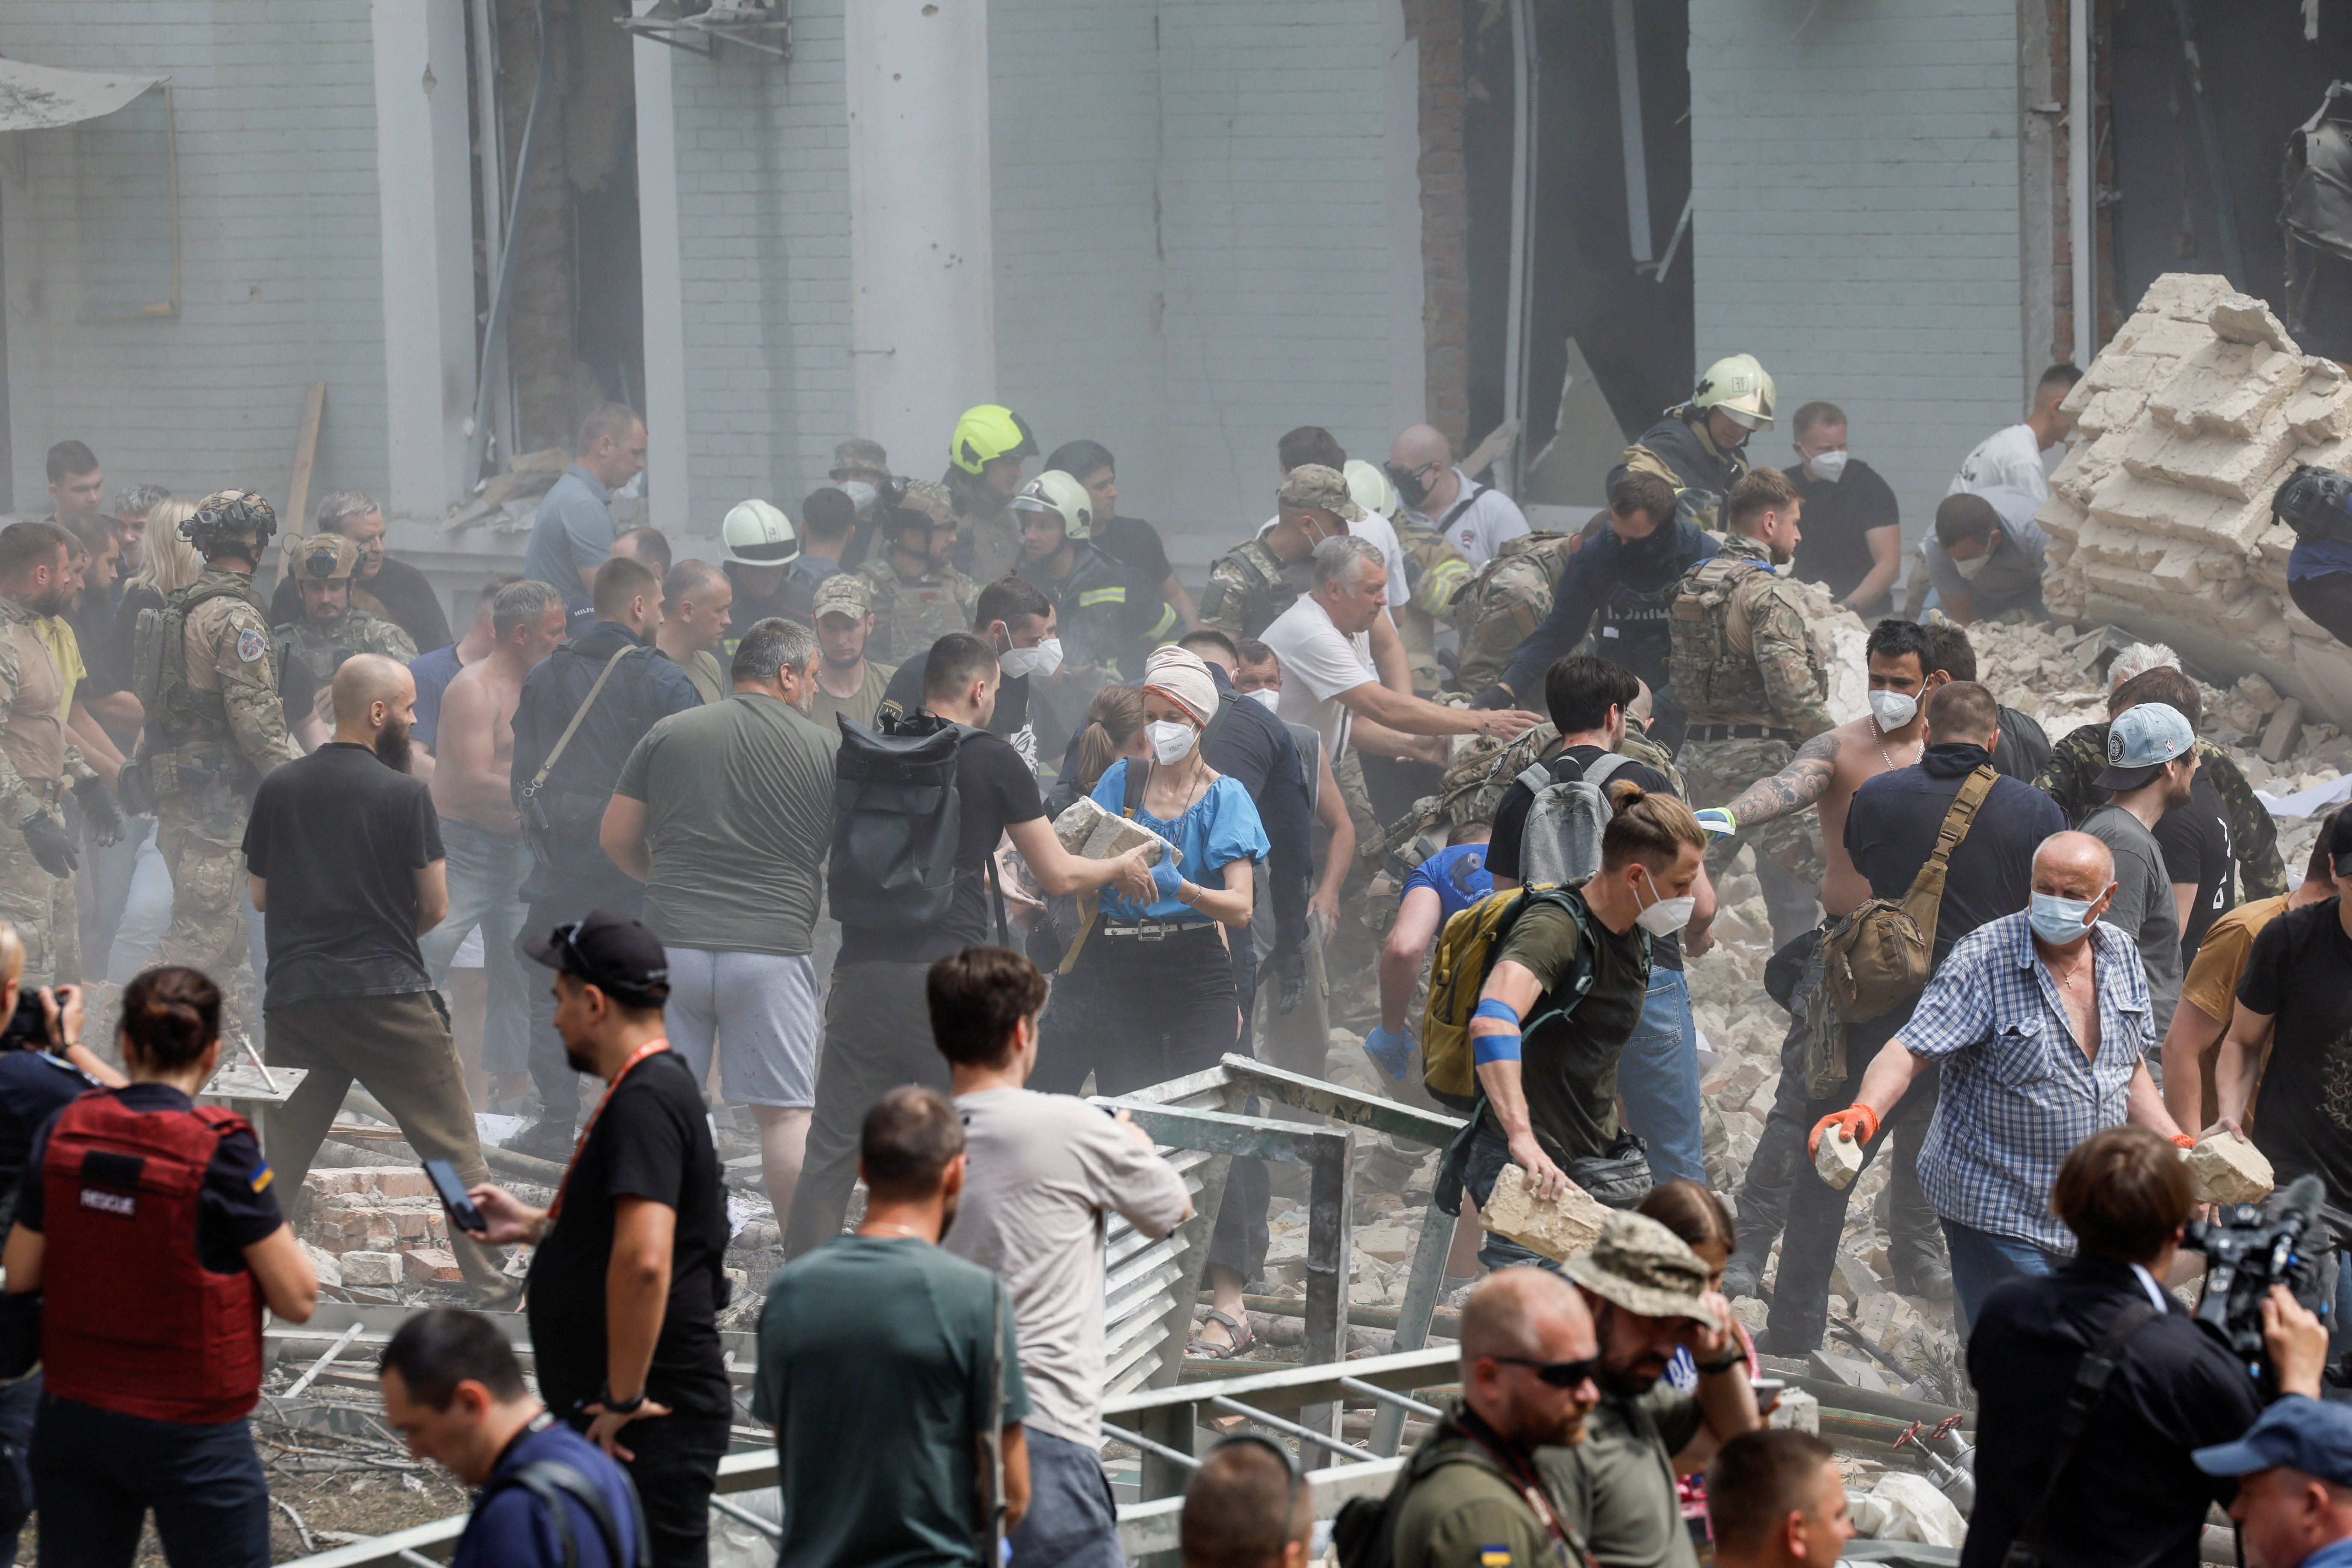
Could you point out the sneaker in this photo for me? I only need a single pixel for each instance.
(1739, 1280)
(544, 1138)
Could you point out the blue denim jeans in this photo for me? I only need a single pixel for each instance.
(1981, 1260)
(1489, 1153)
(1657, 1077)
(1073, 1521)
(485, 875)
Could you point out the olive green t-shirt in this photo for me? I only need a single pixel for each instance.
(738, 798)
(1569, 1066)
(861, 708)
(1619, 1483)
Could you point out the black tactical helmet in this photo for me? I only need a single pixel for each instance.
(230, 514)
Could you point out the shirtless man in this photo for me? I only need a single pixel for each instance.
(1825, 774)
(487, 858)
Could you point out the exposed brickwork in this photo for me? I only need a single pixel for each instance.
(1435, 26)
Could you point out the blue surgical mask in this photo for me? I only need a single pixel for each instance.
(2057, 920)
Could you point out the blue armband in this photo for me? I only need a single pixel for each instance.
(1498, 1011)
(1484, 1048)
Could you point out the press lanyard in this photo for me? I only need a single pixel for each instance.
(659, 1043)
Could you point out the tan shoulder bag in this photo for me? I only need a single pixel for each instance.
(1883, 954)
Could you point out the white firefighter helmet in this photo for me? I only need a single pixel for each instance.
(1369, 488)
(1056, 494)
(758, 534)
(1739, 386)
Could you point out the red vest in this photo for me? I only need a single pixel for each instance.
(130, 1319)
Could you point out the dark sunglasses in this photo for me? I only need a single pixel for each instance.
(1558, 1374)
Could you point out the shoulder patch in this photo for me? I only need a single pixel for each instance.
(251, 645)
(263, 1176)
(1494, 1557)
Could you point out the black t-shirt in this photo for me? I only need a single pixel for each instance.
(1134, 543)
(2195, 840)
(1838, 517)
(2295, 972)
(904, 695)
(235, 1208)
(338, 837)
(998, 791)
(651, 1141)
(1511, 824)
(405, 593)
(34, 1087)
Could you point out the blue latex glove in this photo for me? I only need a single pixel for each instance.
(1166, 879)
(1718, 823)
(1391, 1050)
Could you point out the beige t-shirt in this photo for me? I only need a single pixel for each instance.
(1045, 1173)
(2212, 984)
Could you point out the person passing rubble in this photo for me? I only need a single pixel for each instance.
(153, 1239)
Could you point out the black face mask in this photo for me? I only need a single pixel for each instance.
(1654, 550)
(1411, 488)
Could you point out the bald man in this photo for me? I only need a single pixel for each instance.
(344, 852)
(2040, 1021)
(1528, 1357)
(1244, 1507)
(1474, 518)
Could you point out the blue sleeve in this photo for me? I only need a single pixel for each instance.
(1290, 829)
(1572, 605)
(1233, 831)
(1110, 790)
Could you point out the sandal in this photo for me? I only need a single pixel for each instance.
(1206, 1349)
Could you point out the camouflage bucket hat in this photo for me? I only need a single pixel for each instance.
(1647, 1269)
(1326, 489)
(859, 455)
(843, 593)
(322, 558)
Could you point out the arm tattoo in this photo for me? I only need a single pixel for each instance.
(1800, 784)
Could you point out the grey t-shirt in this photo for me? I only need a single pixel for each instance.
(1045, 1173)
(2016, 566)
(2144, 909)
(574, 529)
(739, 818)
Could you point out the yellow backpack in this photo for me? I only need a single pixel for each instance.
(1466, 952)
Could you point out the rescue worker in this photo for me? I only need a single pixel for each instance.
(1748, 677)
(323, 568)
(1109, 618)
(215, 725)
(1504, 601)
(154, 1240)
(918, 596)
(39, 762)
(1625, 581)
(756, 543)
(1253, 584)
(983, 475)
(1700, 446)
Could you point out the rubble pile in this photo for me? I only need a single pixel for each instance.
(376, 1228)
(2159, 517)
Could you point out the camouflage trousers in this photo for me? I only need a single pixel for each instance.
(201, 839)
(1716, 771)
(42, 909)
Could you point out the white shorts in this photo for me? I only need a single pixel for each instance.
(765, 1005)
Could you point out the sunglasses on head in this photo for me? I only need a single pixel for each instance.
(1558, 1374)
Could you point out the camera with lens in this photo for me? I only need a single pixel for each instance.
(2249, 1248)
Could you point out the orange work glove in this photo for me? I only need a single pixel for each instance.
(1860, 1122)
(2185, 1140)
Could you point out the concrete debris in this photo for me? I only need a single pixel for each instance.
(1837, 1160)
(1559, 1229)
(372, 1269)
(1904, 1506)
(2229, 1169)
(1796, 1412)
(373, 1208)
(1087, 830)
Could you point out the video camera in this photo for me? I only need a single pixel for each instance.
(2248, 1249)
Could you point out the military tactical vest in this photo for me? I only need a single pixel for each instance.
(911, 617)
(176, 711)
(1506, 600)
(1713, 665)
(1259, 576)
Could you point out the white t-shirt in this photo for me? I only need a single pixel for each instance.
(1492, 518)
(1382, 536)
(1046, 1171)
(2011, 456)
(1318, 662)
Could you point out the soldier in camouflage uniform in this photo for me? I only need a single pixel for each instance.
(1745, 669)
(917, 597)
(1505, 600)
(332, 627)
(2080, 755)
(215, 726)
(983, 474)
(38, 763)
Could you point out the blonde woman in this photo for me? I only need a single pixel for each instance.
(167, 564)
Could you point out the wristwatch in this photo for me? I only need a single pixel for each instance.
(1736, 1358)
(613, 1406)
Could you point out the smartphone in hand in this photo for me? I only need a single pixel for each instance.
(462, 1212)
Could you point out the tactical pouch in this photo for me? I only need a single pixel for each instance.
(1824, 1045)
(1883, 953)
(134, 789)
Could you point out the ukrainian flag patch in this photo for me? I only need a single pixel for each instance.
(1494, 1557)
(263, 1175)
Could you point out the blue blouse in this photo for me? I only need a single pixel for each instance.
(1221, 827)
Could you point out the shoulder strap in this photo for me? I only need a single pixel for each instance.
(1134, 782)
(1476, 491)
(2091, 1379)
(550, 1481)
(539, 779)
(1603, 768)
(1926, 899)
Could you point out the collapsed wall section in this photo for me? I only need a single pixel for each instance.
(2159, 517)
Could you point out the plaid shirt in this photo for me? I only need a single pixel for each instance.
(2017, 1094)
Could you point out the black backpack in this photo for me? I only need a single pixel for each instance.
(898, 817)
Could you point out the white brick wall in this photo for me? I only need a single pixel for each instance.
(279, 256)
(1856, 221)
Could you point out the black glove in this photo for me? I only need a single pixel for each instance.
(105, 816)
(1290, 968)
(52, 846)
(1495, 699)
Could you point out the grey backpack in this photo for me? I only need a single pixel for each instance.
(1561, 844)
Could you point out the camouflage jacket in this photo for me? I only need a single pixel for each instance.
(323, 652)
(2081, 754)
(20, 796)
(231, 672)
(988, 543)
(1249, 587)
(911, 614)
(1506, 599)
(1741, 651)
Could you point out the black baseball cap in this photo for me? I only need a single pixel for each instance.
(612, 952)
(2340, 842)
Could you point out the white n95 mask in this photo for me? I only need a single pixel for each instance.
(1827, 466)
(1172, 742)
(1893, 709)
(1042, 659)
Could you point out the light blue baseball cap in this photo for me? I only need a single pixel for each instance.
(2140, 741)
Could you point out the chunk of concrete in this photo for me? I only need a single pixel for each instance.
(427, 1264)
(1796, 1412)
(1837, 1161)
(2229, 1169)
(2283, 730)
(373, 1268)
(1557, 1230)
(1088, 831)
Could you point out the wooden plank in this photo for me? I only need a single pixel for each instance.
(306, 452)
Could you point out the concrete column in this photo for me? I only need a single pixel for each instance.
(921, 254)
(424, 191)
(1400, 142)
(668, 498)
